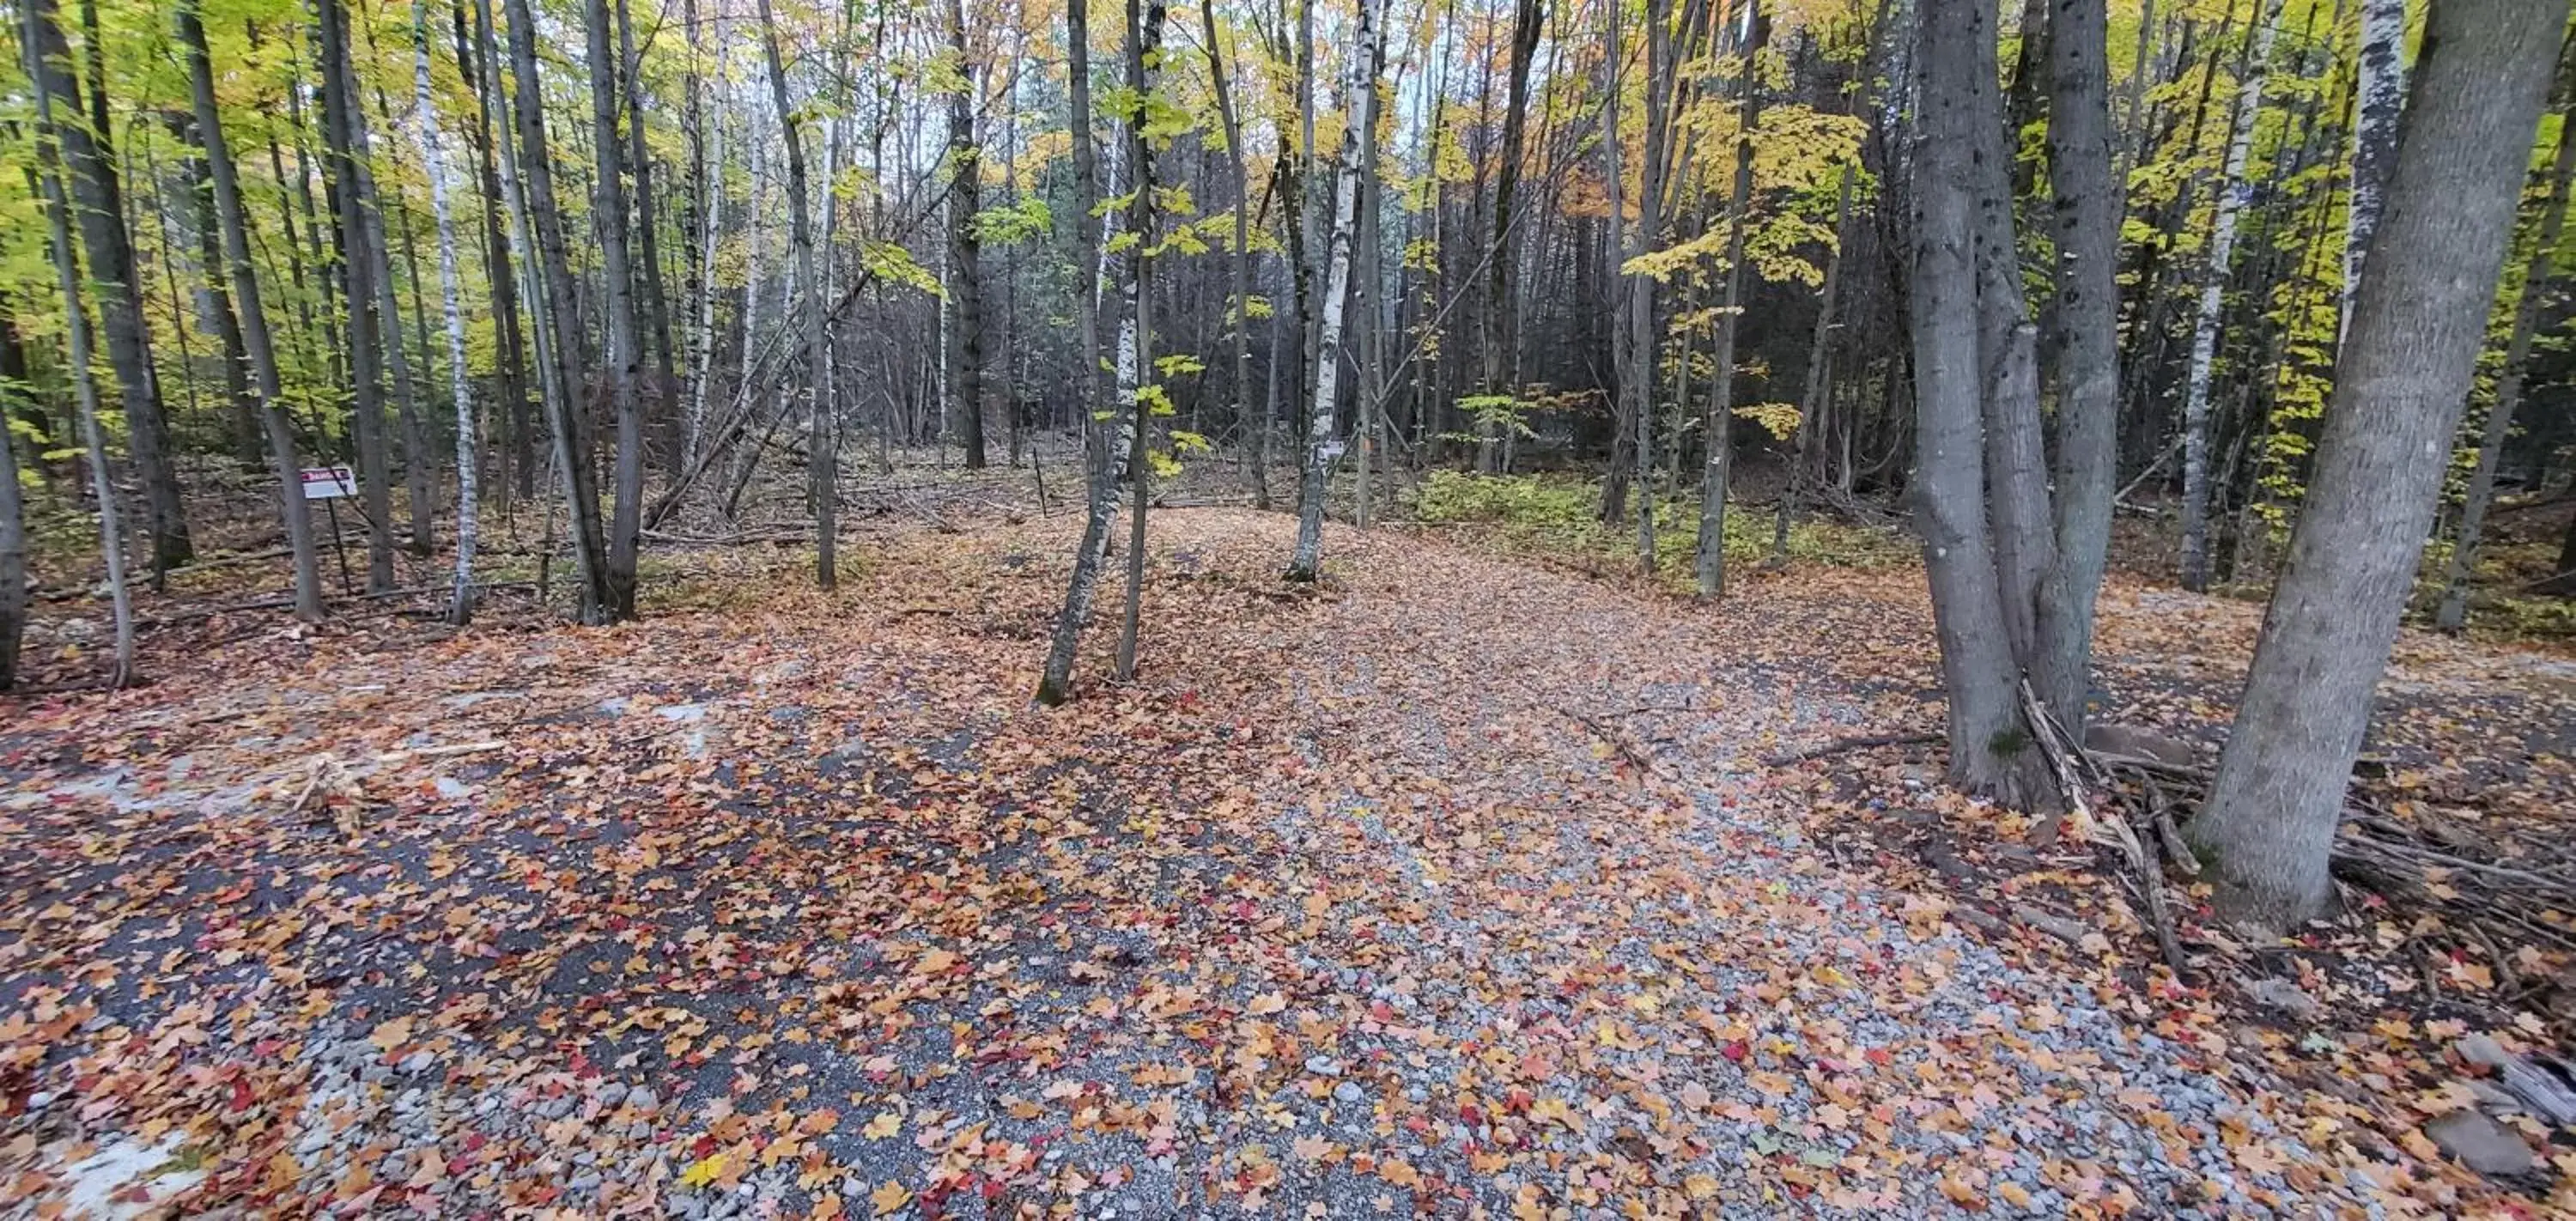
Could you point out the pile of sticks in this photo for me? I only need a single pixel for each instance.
(2491, 893)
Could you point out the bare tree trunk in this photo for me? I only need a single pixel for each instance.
(1717, 426)
(1814, 403)
(2562, 576)
(656, 306)
(558, 332)
(2408, 362)
(609, 222)
(1502, 268)
(420, 460)
(800, 227)
(1989, 742)
(218, 301)
(460, 608)
(1242, 258)
(2537, 283)
(1614, 173)
(2087, 202)
(90, 166)
(359, 259)
(1055, 683)
(2379, 97)
(2233, 191)
(1367, 45)
(1144, 50)
(13, 544)
(965, 250)
(51, 170)
(2024, 536)
(703, 353)
(223, 191)
(1637, 373)
(514, 472)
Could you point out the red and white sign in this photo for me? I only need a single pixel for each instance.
(329, 482)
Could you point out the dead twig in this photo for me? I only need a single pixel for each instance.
(1630, 751)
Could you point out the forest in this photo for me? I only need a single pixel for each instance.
(1641, 556)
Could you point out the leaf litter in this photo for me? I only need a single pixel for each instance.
(1448, 887)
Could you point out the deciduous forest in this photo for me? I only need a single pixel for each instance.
(1535, 608)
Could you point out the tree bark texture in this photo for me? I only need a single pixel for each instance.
(2409, 359)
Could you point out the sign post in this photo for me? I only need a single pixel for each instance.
(329, 484)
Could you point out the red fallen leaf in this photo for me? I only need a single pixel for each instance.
(1736, 1051)
(241, 1095)
(1878, 1056)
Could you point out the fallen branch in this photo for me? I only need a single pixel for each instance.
(440, 752)
(2064, 759)
(1862, 742)
(735, 540)
(283, 601)
(1636, 757)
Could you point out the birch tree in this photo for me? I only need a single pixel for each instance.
(2379, 96)
(2233, 192)
(433, 162)
(1322, 440)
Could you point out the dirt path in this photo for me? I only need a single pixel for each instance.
(1449, 887)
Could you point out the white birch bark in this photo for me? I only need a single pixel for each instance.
(433, 162)
(702, 359)
(2379, 94)
(2233, 191)
(1321, 447)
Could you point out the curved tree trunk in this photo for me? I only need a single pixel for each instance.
(2409, 359)
(51, 171)
(223, 189)
(89, 165)
(1055, 683)
(800, 226)
(559, 336)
